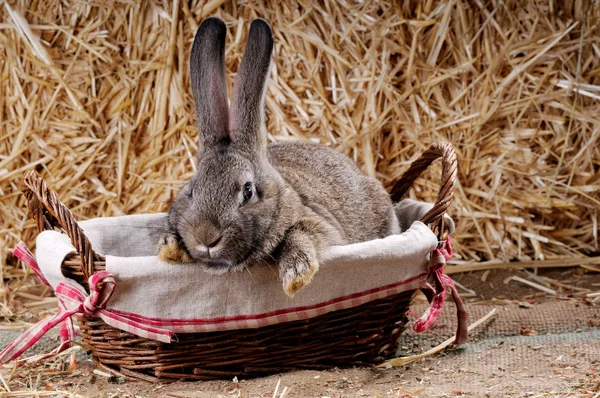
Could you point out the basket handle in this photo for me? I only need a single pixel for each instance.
(442, 150)
(48, 212)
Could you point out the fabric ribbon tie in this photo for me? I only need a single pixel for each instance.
(73, 300)
(435, 291)
(22, 252)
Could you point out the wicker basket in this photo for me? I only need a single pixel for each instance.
(362, 335)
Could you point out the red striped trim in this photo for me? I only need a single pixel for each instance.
(21, 251)
(348, 301)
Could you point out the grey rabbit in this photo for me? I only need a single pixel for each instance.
(252, 203)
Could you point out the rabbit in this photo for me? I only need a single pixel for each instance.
(252, 203)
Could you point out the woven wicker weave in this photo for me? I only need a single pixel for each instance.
(362, 335)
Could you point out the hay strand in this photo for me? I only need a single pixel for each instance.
(401, 361)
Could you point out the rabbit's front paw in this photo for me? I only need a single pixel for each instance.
(171, 251)
(299, 260)
(297, 270)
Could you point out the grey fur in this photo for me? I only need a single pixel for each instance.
(209, 87)
(250, 88)
(305, 196)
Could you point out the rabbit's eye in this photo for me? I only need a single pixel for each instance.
(247, 191)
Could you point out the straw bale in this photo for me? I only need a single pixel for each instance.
(95, 96)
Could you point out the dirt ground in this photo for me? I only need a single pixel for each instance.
(532, 347)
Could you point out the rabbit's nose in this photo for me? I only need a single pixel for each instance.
(208, 235)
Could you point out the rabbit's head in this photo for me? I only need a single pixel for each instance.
(227, 209)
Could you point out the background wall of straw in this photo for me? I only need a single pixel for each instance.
(95, 96)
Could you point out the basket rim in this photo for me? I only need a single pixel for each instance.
(363, 272)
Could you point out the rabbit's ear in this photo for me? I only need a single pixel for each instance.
(248, 101)
(207, 74)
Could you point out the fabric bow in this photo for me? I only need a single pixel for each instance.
(435, 291)
(73, 300)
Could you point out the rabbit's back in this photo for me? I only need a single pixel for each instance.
(331, 185)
